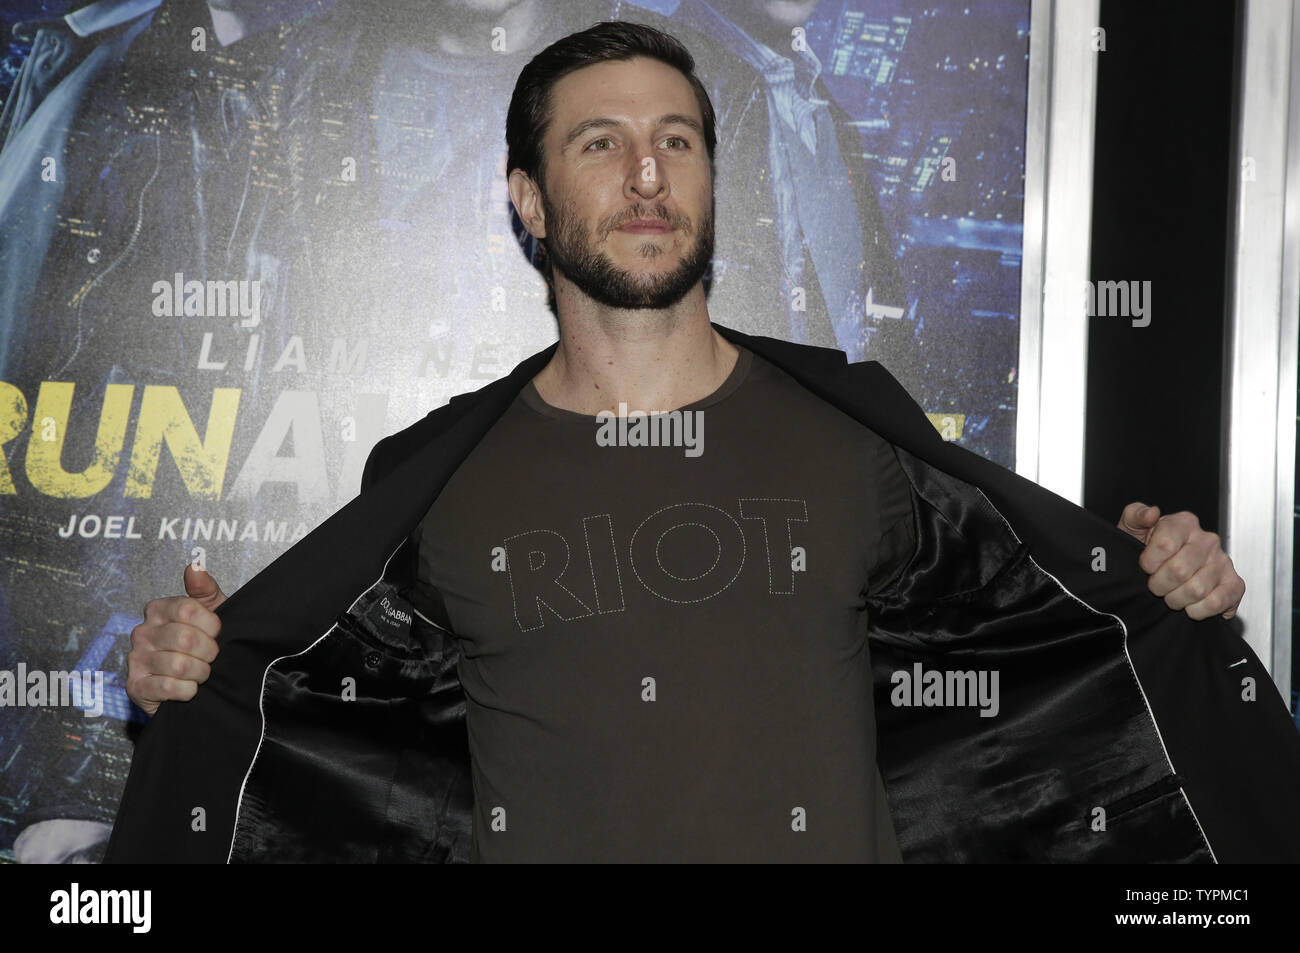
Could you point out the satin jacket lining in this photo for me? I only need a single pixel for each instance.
(261, 706)
(1128, 658)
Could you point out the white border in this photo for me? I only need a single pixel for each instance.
(1053, 363)
(1259, 399)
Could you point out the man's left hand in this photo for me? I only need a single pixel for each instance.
(1187, 565)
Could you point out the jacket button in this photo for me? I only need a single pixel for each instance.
(373, 659)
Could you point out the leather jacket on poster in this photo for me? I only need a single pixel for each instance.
(1124, 731)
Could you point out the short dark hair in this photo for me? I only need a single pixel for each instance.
(607, 41)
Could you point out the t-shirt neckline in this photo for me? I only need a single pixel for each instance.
(744, 360)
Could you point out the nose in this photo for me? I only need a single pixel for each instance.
(646, 179)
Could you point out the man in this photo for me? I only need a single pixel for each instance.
(576, 650)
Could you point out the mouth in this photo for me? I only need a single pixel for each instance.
(647, 226)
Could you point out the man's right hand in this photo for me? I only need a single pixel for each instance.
(171, 650)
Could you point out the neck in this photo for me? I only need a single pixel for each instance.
(650, 360)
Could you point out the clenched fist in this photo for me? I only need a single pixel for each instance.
(172, 649)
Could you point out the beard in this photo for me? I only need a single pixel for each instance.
(572, 253)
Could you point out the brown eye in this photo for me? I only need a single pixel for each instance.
(604, 139)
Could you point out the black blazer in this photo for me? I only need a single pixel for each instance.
(1122, 735)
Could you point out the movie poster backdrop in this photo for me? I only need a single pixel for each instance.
(241, 241)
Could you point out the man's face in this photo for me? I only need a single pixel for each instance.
(625, 143)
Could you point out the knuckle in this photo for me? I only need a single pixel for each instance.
(137, 668)
(162, 637)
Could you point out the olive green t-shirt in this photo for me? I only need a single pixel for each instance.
(664, 647)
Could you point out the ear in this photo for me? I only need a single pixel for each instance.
(527, 200)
